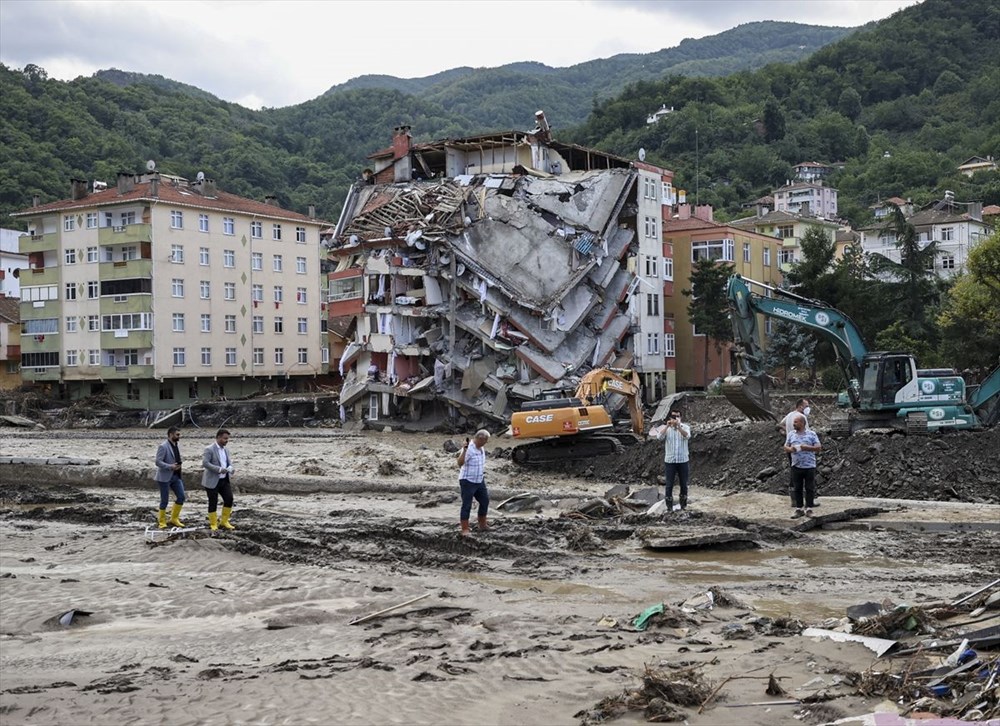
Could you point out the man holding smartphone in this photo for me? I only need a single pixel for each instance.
(675, 434)
(472, 480)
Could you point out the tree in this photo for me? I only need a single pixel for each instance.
(789, 346)
(849, 104)
(708, 309)
(774, 120)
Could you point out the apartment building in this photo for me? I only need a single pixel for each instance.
(789, 228)
(956, 228)
(11, 263)
(472, 274)
(690, 235)
(10, 343)
(806, 198)
(160, 291)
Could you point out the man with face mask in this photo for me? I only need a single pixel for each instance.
(802, 445)
(786, 426)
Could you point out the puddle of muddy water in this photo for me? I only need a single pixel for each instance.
(547, 587)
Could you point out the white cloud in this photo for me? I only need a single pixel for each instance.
(280, 53)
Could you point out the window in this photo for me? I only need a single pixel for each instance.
(177, 287)
(300, 295)
(167, 391)
(206, 356)
(668, 268)
(279, 356)
(180, 357)
(948, 262)
(93, 290)
(92, 254)
(70, 257)
(652, 343)
(649, 188)
(346, 288)
(257, 230)
(230, 356)
(279, 293)
(131, 391)
(651, 265)
(230, 323)
(785, 231)
(202, 222)
(258, 324)
(71, 291)
(39, 293)
(39, 360)
(203, 256)
(257, 293)
(71, 324)
(719, 249)
(130, 253)
(303, 355)
(205, 289)
(303, 324)
(177, 219)
(257, 261)
(300, 265)
(258, 356)
(767, 257)
(228, 226)
(128, 218)
(178, 322)
(279, 324)
(206, 323)
(325, 355)
(93, 323)
(746, 252)
(276, 232)
(278, 264)
(229, 290)
(40, 326)
(669, 346)
(300, 235)
(94, 357)
(91, 220)
(126, 322)
(177, 254)
(652, 304)
(69, 223)
(650, 227)
(228, 258)
(786, 257)
(947, 234)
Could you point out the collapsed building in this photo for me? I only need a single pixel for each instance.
(468, 275)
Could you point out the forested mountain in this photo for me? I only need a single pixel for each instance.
(310, 153)
(900, 105)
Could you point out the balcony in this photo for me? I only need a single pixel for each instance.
(115, 339)
(128, 235)
(39, 242)
(139, 302)
(126, 269)
(41, 276)
(126, 372)
(48, 343)
(49, 373)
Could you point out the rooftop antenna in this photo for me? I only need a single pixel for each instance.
(642, 154)
(150, 165)
(697, 169)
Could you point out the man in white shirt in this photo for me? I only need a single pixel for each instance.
(787, 426)
(472, 481)
(676, 456)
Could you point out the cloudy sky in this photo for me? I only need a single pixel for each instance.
(271, 53)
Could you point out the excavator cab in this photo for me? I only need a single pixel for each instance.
(885, 376)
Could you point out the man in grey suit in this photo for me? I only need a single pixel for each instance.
(218, 468)
(168, 476)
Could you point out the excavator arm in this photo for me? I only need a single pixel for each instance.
(748, 391)
(596, 384)
(985, 399)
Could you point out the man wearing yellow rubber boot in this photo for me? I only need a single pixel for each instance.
(215, 479)
(168, 476)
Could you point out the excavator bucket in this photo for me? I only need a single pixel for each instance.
(750, 395)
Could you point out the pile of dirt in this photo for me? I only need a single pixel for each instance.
(957, 466)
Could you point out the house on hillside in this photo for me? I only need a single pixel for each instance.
(811, 171)
(883, 209)
(690, 235)
(956, 227)
(160, 291)
(472, 274)
(787, 227)
(10, 343)
(976, 164)
(661, 112)
(806, 198)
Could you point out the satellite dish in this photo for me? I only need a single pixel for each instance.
(200, 176)
(642, 154)
(150, 165)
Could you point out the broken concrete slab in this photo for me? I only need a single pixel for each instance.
(687, 537)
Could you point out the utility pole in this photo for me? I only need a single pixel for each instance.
(697, 169)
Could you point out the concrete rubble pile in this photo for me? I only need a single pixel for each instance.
(479, 290)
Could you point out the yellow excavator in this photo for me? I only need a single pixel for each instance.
(579, 427)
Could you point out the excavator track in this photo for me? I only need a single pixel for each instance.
(916, 423)
(550, 451)
(749, 395)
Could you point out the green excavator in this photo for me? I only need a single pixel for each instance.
(885, 388)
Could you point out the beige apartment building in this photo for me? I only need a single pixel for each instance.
(161, 292)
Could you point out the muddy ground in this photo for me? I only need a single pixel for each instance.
(531, 622)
